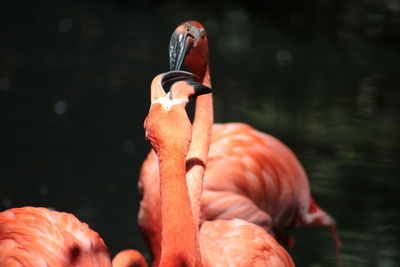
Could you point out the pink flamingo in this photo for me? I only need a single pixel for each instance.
(250, 175)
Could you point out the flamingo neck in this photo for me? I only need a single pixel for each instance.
(201, 138)
(179, 235)
(129, 257)
(206, 78)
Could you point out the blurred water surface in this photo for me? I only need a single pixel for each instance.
(322, 76)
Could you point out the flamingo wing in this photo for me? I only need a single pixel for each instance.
(240, 243)
(40, 237)
(247, 164)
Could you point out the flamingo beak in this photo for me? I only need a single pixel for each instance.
(174, 76)
(199, 88)
(178, 47)
(182, 40)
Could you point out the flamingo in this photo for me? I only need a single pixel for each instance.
(34, 237)
(250, 175)
(220, 242)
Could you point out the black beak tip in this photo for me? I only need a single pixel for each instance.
(200, 89)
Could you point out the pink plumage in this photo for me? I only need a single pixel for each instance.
(250, 176)
(40, 237)
(253, 176)
(240, 243)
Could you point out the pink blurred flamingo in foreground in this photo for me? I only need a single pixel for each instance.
(33, 237)
(221, 242)
(250, 175)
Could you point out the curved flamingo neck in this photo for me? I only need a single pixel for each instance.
(201, 138)
(179, 234)
(129, 257)
(206, 78)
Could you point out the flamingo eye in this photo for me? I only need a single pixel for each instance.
(202, 32)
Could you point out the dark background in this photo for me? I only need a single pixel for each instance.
(322, 76)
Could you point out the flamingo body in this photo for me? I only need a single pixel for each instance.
(255, 177)
(252, 176)
(40, 237)
(240, 243)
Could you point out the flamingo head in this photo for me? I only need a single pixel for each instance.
(167, 123)
(189, 45)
